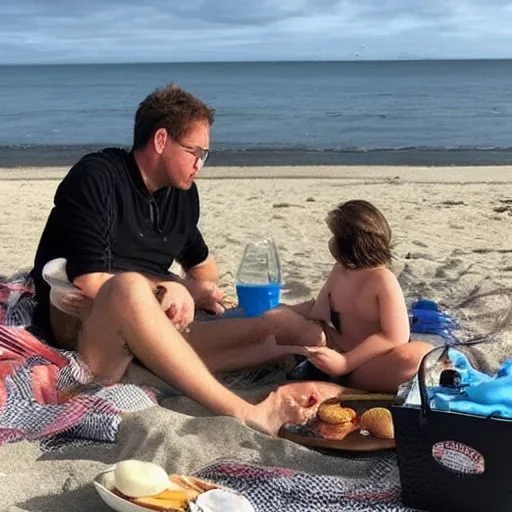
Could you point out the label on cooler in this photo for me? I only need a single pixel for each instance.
(459, 457)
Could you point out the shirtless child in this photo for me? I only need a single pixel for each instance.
(362, 307)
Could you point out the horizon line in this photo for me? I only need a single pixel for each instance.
(284, 61)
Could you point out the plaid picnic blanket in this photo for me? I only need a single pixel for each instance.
(270, 489)
(48, 394)
(17, 300)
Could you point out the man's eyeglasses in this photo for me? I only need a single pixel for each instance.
(199, 153)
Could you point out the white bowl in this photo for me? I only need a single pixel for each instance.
(104, 483)
(54, 273)
(217, 500)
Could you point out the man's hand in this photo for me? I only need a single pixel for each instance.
(328, 360)
(206, 294)
(75, 303)
(178, 304)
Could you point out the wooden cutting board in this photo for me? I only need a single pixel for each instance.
(354, 441)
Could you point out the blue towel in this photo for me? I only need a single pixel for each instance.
(480, 394)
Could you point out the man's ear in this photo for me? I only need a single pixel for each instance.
(160, 139)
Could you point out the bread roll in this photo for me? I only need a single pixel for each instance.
(379, 422)
(136, 479)
(331, 411)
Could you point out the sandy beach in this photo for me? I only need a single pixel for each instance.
(451, 225)
(452, 231)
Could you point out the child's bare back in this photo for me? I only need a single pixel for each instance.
(348, 304)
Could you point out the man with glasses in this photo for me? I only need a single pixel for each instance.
(200, 153)
(120, 219)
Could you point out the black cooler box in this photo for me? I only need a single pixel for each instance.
(452, 461)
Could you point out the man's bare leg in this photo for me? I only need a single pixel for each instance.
(284, 323)
(247, 355)
(219, 334)
(126, 309)
(291, 327)
(385, 373)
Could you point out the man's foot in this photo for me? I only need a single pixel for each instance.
(280, 408)
(290, 328)
(293, 403)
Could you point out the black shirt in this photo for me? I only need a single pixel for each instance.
(105, 220)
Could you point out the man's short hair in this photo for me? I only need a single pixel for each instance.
(361, 235)
(171, 108)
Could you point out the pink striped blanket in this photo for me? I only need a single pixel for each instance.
(48, 394)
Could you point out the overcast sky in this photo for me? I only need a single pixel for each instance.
(68, 31)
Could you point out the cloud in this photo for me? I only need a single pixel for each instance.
(40, 31)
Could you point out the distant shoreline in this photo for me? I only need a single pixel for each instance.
(56, 156)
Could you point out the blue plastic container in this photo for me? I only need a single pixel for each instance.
(427, 318)
(255, 299)
(258, 280)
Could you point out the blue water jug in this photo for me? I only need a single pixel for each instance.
(258, 280)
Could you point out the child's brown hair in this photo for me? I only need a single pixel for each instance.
(361, 235)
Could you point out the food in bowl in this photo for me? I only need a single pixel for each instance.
(148, 485)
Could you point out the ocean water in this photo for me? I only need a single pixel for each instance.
(330, 108)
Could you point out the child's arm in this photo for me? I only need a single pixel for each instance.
(320, 308)
(394, 324)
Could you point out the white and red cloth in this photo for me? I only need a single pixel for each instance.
(49, 394)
